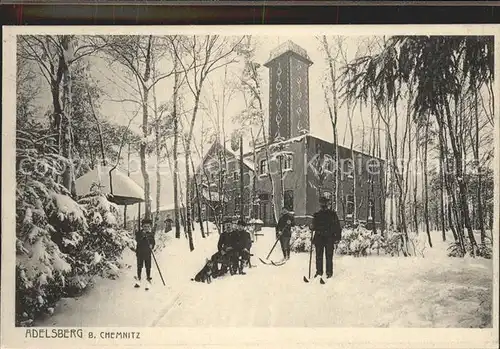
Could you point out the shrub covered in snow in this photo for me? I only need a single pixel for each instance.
(357, 241)
(483, 250)
(301, 239)
(41, 266)
(61, 244)
(102, 243)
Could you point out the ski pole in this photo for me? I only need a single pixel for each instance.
(157, 266)
(311, 253)
(272, 249)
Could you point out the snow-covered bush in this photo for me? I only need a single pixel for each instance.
(100, 245)
(483, 250)
(301, 239)
(356, 241)
(61, 244)
(41, 266)
(393, 242)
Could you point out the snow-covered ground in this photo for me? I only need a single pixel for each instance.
(373, 291)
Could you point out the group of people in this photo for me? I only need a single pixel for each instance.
(235, 243)
(233, 249)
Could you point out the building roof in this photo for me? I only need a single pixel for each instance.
(236, 155)
(288, 46)
(299, 138)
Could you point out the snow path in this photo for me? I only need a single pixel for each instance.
(375, 291)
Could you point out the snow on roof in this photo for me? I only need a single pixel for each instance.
(288, 46)
(343, 146)
(247, 162)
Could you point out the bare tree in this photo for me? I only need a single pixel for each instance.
(139, 55)
(55, 56)
(205, 55)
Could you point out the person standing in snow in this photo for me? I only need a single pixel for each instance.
(284, 231)
(145, 245)
(327, 233)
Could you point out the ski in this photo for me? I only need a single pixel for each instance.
(264, 262)
(322, 281)
(277, 264)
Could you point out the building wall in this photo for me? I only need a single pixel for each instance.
(279, 98)
(319, 182)
(293, 180)
(299, 96)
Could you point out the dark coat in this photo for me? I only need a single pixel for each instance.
(326, 224)
(225, 241)
(242, 240)
(144, 241)
(285, 224)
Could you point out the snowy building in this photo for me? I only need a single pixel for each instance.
(295, 167)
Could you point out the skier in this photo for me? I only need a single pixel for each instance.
(145, 245)
(327, 233)
(284, 231)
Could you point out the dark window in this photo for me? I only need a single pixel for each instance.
(328, 163)
(237, 202)
(287, 162)
(349, 205)
(264, 197)
(236, 175)
(263, 166)
(288, 200)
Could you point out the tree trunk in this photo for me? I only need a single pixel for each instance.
(426, 196)
(176, 155)
(242, 183)
(158, 174)
(479, 174)
(143, 155)
(128, 175)
(254, 181)
(188, 197)
(68, 176)
(441, 192)
(353, 160)
(198, 201)
(415, 181)
(145, 131)
(456, 147)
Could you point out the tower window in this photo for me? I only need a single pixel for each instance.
(236, 175)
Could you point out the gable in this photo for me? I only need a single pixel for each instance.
(212, 156)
